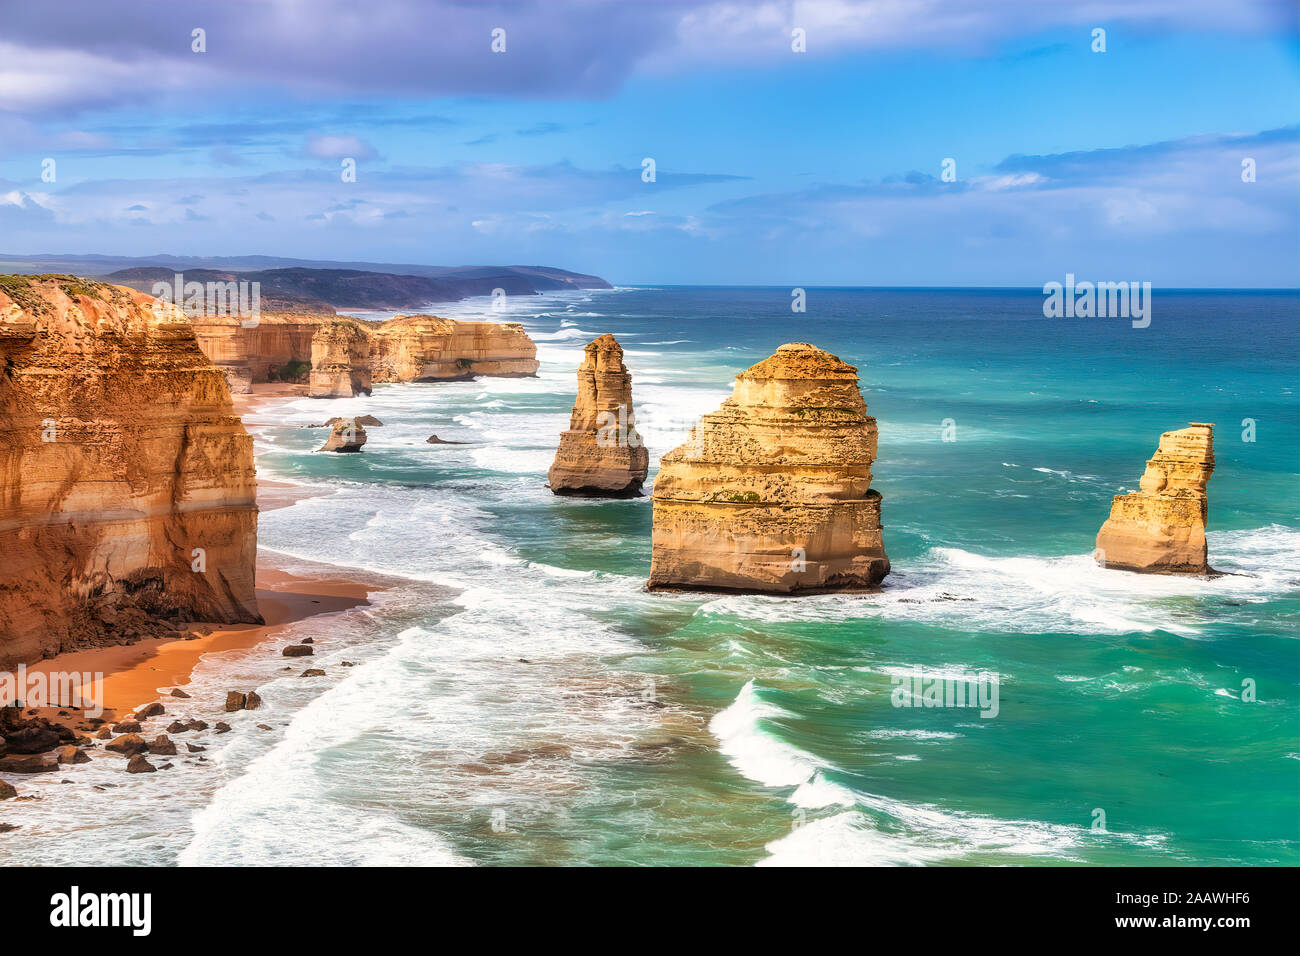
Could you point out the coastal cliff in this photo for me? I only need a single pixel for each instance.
(425, 348)
(1161, 529)
(601, 455)
(126, 479)
(340, 357)
(340, 360)
(772, 491)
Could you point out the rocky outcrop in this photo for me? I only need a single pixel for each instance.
(423, 348)
(126, 481)
(346, 435)
(601, 455)
(772, 491)
(1161, 529)
(340, 360)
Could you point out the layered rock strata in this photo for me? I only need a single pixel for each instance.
(601, 455)
(1161, 528)
(424, 348)
(340, 360)
(343, 353)
(126, 480)
(772, 491)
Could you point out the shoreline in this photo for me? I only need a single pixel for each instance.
(139, 673)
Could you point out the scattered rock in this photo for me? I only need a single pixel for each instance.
(435, 440)
(8, 827)
(298, 650)
(177, 692)
(312, 672)
(196, 725)
(127, 745)
(177, 727)
(72, 754)
(127, 727)
(252, 701)
(32, 739)
(195, 748)
(151, 710)
(348, 664)
(138, 764)
(163, 746)
(235, 700)
(222, 727)
(104, 733)
(263, 726)
(7, 790)
(307, 640)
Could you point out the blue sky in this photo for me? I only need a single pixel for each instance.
(772, 166)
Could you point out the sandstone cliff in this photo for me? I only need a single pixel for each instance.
(126, 481)
(340, 360)
(601, 455)
(1161, 529)
(772, 491)
(283, 346)
(425, 348)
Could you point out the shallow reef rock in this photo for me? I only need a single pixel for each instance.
(601, 455)
(772, 493)
(127, 490)
(346, 435)
(1161, 529)
(425, 348)
(340, 360)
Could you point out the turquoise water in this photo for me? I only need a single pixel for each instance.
(520, 699)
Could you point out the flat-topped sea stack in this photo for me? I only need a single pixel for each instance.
(126, 480)
(772, 492)
(340, 360)
(1161, 529)
(601, 455)
(424, 348)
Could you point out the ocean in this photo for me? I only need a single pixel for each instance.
(519, 698)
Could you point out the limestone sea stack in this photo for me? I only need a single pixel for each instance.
(126, 479)
(772, 491)
(340, 360)
(601, 455)
(346, 435)
(1161, 529)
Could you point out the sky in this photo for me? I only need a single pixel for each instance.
(772, 166)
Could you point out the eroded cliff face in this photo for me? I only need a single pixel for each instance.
(340, 360)
(1161, 529)
(425, 348)
(283, 346)
(126, 481)
(772, 491)
(601, 455)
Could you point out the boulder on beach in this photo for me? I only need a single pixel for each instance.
(297, 650)
(435, 440)
(150, 710)
(127, 745)
(138, 764)
(72, 754)
(163, 746)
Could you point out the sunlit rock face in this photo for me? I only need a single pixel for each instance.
(427, 348)
(601, 455)
(126, 480)
(773, 490)
(1161, 528)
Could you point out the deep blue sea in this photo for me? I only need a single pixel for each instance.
(518, 697)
